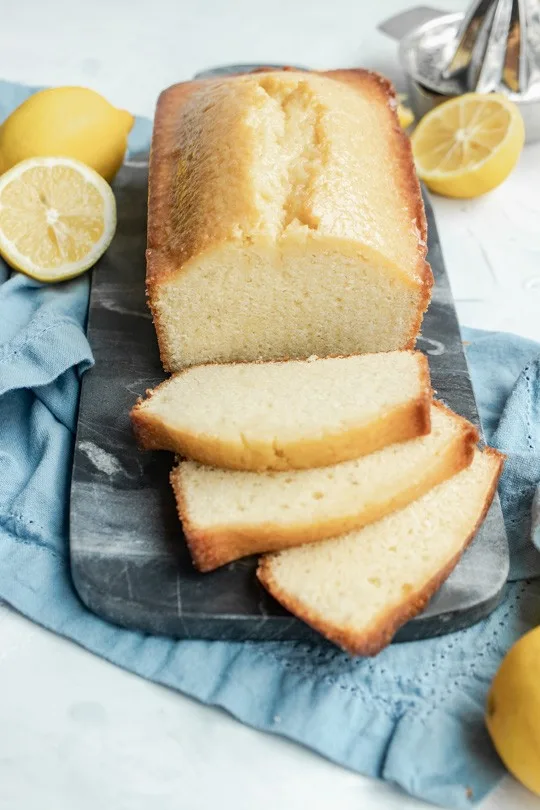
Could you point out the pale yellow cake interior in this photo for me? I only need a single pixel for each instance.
(244, 305)
(287, 402)
(215, 498)
(350, 581)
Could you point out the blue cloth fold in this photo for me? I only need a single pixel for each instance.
(507, 391)
(413, 715)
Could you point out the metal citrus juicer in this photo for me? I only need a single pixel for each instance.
(493, 47)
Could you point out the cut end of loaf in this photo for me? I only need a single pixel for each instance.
(239, 304)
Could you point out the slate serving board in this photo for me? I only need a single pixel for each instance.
(129, 560)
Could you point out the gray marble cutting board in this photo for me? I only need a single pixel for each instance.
(128, 557)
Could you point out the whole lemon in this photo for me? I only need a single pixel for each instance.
(70, 122)
(513, 710)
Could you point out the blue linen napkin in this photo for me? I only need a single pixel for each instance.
(413, 715)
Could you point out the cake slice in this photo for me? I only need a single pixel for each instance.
(288, 415)
(227, 514)
(285, 219)
(359, 588)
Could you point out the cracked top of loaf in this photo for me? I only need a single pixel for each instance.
(280, 157)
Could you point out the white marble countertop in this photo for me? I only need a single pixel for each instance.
(77, 733)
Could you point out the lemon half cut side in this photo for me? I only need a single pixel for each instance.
(468, 145)
(57, 217)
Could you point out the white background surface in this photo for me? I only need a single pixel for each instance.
(77, 733)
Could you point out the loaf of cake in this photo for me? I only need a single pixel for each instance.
(287, 415)
(358, 589)
(285, 220)
(227, 514)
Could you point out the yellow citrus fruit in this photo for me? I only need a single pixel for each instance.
(513, 710)
(468, 145)
(66, 122)
(405, 114)
(57, 217)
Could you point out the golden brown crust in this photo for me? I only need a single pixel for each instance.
(408, 179)
(170, 247)
(212, 548)
(373, 639)
(467, 427)
(163, 158)
(406, 421)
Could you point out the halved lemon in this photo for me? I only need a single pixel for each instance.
(468, 145)
(57, 217)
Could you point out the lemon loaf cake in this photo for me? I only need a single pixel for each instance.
(359, 588)
(227, 514)
(287, 415)
(285, 219)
